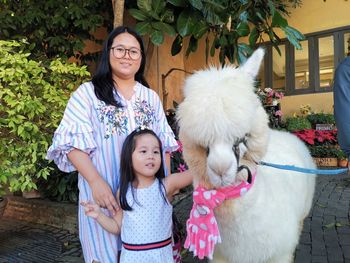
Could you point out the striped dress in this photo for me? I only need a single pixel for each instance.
(99, 130)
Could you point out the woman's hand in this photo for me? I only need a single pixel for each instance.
(91, 210)
(101, 191)
(103, 195)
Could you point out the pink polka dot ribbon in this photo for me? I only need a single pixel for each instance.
(202, 229)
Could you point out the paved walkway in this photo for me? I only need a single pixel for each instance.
(325, 237)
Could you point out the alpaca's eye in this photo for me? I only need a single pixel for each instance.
(207, 150)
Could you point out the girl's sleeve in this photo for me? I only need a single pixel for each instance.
(74, 132)
(163, 129)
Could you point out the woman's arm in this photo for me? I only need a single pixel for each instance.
(101, 191)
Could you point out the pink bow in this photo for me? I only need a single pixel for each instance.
(202, 228)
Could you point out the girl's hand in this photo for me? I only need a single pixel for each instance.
(103, 195)
(91, 210)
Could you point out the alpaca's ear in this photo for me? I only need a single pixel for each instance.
(252, 65)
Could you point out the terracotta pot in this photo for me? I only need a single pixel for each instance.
(343, 162)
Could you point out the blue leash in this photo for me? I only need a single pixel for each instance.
(304, 170)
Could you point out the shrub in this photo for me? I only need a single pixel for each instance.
(297, 124)
(59, 186)
(33, 95)
(324, 151)
(55, 28)
(320, 118)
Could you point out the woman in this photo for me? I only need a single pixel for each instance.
(99, 116)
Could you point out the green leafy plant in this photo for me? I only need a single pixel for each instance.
(55, 28)
(324, 151)
(297, 124)
(222, 23)
(321, 118)
(177, 163)
(341, 155)
(33, 95)
(59, 186)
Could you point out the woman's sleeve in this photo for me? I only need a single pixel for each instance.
(341, 91)
(74, 132)
(163, 129)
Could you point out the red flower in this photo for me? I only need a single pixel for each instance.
(311, 136)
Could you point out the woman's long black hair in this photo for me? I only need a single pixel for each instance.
(102, 80)
(127, 175)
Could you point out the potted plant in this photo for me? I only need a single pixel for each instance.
(322, 145)
(297, 123)
(318, 137)
(342, 158)
(324, 155)
(321, 118)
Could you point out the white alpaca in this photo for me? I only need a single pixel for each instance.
(219, 109)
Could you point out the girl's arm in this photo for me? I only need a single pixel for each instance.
(176, 181)
(111, 224)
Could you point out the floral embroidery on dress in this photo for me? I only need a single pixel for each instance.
(144, 113)
(115, 119)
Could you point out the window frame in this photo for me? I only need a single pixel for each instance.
(314, 65)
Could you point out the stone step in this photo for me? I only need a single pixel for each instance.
(42, 211)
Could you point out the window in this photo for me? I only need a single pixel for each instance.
(279, 68)
(309, 70)
(301, 66)
(325, 62)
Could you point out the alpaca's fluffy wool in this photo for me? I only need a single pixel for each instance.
(221, 107)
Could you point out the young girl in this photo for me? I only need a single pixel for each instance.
(145, 220)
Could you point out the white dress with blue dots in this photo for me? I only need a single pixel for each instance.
(150, 221)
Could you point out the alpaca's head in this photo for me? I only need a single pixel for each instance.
(222, 122)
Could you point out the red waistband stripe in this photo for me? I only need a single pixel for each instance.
(138, 247)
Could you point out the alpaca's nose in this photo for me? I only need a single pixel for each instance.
(221, 159)
(219, 170)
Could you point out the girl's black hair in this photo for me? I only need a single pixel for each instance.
(102, 79)
(127, 175)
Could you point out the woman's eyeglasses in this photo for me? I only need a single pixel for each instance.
(120, 52)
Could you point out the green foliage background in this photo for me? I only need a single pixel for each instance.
(297, 124)
(223, 23)
(54, 28)
(33, 96)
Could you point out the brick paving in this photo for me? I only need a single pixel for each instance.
(24, 242)
(326, 232)
(325, 237)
